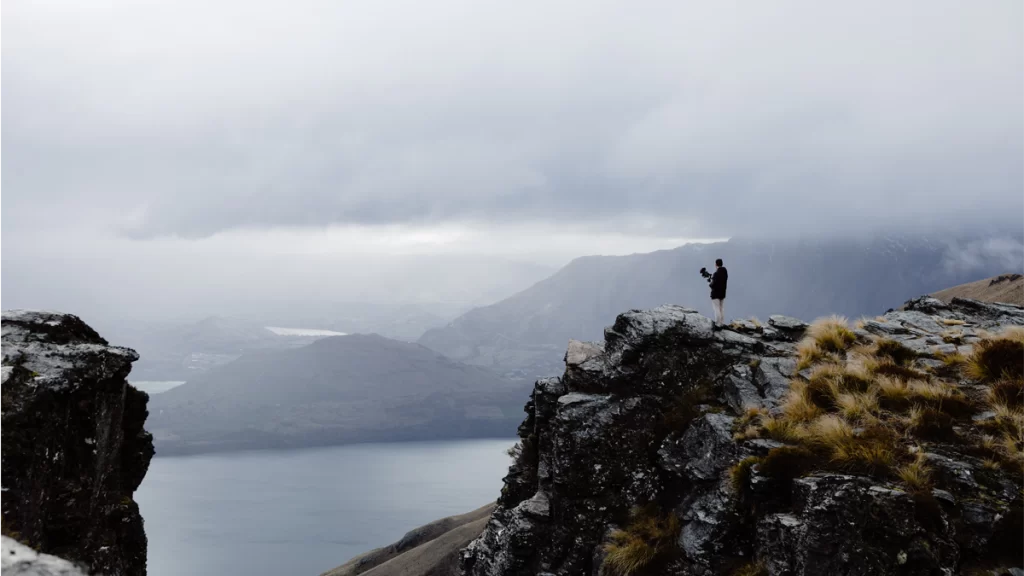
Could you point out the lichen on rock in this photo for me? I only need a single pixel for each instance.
(74, 444)
(690, 421)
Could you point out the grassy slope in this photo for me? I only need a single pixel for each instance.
(427, 550)
(1007, 288)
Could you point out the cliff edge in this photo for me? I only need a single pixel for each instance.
(677, 447)
(74, 446)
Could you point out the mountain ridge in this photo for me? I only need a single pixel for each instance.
(524, 336)
(336, 390)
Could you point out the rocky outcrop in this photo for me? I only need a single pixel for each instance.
(74, 446)
(653, 418)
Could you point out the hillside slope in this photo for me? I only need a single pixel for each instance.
(675, 448)
(340, 389)
(1007, 288)
(524, 336)
(430, 550)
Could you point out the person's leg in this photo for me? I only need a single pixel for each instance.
(717, 305)
(721, 310)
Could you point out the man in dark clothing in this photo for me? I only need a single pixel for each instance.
(718, 281)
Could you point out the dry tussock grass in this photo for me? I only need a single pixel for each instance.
(917, 474)
(648, 537)
(861, 407)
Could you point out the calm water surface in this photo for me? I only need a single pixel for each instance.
(301, 512)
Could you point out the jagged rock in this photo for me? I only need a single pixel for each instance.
(579, 352)
(788, 324)
(709, 522)
(648, 420)
(74, 446)
(16, 559)
(708, 447)
(849, 525)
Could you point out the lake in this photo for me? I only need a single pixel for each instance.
(300, 512)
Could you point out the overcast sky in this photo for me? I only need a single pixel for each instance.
(532, 130)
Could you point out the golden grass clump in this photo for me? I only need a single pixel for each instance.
(739, 474)
(917, 475)
(998, 357)
(952, 322)
(857, 405)
(895, 352)
(955, 359)
(929, 423)
(783, 430)
(828, 382)
(867, 457)
(797, 407)
(808, 353)
(893, 394)
(829, 431)
(1007, 392)
(751, 569)
(648, 537)
(747, 425)
(942, 396)
(832, 334)
(889, 368)
(787, 462)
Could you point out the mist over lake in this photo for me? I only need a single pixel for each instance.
(299, 512)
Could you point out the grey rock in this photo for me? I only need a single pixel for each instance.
(706, 450)
(739, 388)
(708, 525)
(825, 533)
(637, 325)
(16, 559)
(787, 323)
(731, 338)
(579, 352)
(773, 375)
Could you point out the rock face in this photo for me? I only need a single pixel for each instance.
(74, 446)
(652, 418)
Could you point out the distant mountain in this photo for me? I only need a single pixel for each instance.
(1008, 288)
(181, 351)
(524, 336)
(341, 389)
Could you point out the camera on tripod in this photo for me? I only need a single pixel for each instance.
(707, 275)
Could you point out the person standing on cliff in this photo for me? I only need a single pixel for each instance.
(718, 281)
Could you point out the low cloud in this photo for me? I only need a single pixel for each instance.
(190, 119)
(975, 255)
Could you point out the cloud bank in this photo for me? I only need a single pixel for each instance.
(667, 119)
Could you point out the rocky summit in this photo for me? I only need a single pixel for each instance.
(678, 447)
(74, 446)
